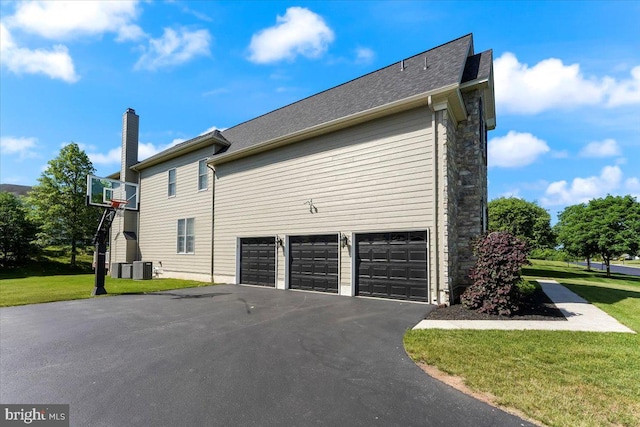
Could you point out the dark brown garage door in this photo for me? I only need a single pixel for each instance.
(313, 263)
(392, 265)
(258, 261)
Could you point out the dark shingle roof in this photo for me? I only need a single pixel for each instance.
(445, 66)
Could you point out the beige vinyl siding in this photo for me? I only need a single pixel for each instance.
(375, 176)
(160, 214)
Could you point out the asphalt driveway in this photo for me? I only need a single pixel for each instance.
(226, 356)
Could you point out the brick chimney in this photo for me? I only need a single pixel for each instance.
(124, 229)
(129, 157)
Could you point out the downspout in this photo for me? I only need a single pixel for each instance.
(213, 208)
(436, 210)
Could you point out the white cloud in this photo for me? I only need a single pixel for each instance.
(364, 55)
(211, 129)
(69, 19)
(111, 158)
(145, 150)
(174, 48)
(298, 32)
(607, 148)
(55, 63)
(550, 84)
(515, 150)
(22, 146)
(583, 189)
(632, 186)
(626, 92)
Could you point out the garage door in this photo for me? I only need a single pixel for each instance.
(392, 265)
(313, 263)
(258, 261)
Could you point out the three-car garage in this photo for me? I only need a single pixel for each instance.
(386, 265)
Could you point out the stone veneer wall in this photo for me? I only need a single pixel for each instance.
(450, 203)
(471, 189)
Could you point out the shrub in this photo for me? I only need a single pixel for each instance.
(496, 274)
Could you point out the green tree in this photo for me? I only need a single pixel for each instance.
(59, 200)
(576, 232)
(16, 230)
(615, 222)
(523, 219)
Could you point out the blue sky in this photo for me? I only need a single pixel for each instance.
(567, 78)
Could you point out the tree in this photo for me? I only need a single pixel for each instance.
(16, 230)
(523, 219)
(576, 232)
(615, 222)
(59, 200)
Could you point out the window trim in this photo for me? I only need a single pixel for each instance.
(169, 183)
(206, 175)
(185, 236)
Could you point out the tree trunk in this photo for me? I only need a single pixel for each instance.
(608, 263)
(588, 263)
(73, 253)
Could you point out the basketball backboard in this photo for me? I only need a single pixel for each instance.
(100, 192)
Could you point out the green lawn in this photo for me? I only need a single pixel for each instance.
(38, 289)
(558, 378)
(49, 278)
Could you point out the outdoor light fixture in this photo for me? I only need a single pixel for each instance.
(279, 241)
(344, 240)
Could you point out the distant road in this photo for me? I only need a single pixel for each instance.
(632, 271)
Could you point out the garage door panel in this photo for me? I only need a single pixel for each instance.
(258, 261)
(313, 263)
(392, 265)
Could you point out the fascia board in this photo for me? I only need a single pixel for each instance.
(171, 154)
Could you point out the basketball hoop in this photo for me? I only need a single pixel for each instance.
(118, 205)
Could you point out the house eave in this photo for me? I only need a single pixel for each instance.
(179, 150)
(341, 123)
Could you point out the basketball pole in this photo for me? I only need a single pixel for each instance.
(100, 240)
(101, 247)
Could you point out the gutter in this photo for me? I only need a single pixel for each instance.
(182, 148)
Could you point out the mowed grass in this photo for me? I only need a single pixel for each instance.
(50, 279)
(39, 289)
(559, 378)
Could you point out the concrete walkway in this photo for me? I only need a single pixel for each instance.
(580, 314)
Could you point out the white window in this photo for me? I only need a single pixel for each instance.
(203, 181)
(186, 236)
(171, 188)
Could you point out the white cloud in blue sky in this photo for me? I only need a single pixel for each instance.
(298, 32)
(582, 190)
(23, 147)
(175, 47)
(55, 62)
(607, 148)
(550, 84)
(515, 149)
(64, 20)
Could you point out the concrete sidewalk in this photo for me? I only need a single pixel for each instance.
(580, 314)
